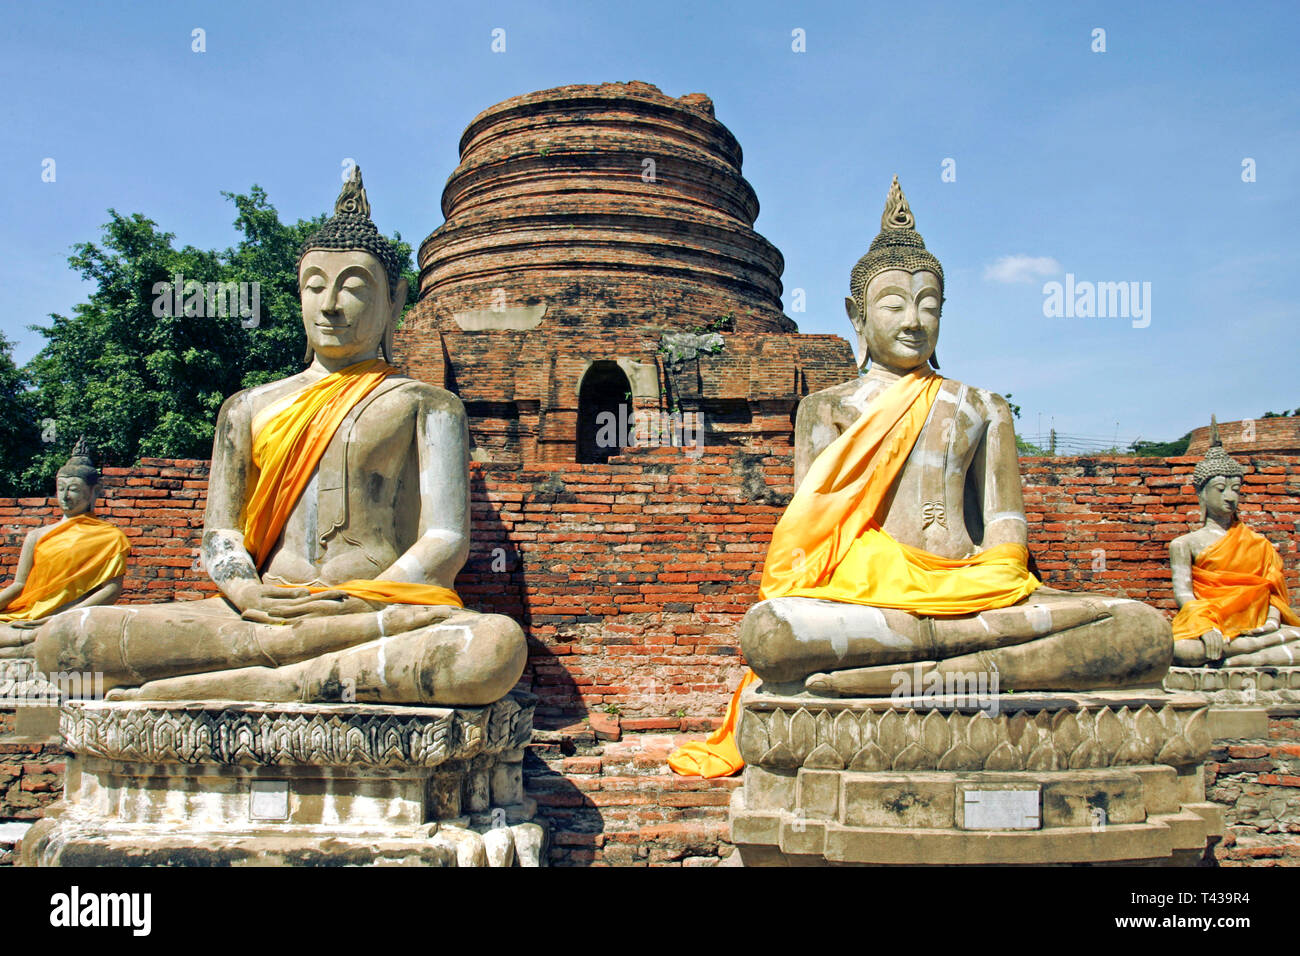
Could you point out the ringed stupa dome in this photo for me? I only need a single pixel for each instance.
(610, 204)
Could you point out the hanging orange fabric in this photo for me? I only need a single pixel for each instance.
(289, 438)
(844, 487)
(717, 756)
(72, 559)
(393, 592)
(1235, 580)
(829, 543)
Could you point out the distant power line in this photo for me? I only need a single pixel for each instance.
(1065, 443)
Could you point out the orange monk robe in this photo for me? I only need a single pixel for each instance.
(829, 543)
(72, 559)
(1235, 581)
(289, 438)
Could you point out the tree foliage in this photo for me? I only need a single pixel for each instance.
(1160, 449)
(18, 426)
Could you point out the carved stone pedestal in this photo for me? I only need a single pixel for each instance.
(32, 698)
(1239, 697)
(216, 783)
(1106, 777)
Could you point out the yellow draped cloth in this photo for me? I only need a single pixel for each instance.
(1235, 580)
(73, 558)
(829, 543)
(717, 756)
(289, 438)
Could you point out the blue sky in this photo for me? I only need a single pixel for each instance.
(1122, 166)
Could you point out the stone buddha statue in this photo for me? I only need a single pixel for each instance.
(904, 549)
(337, 519)
(77, 562)
(1234, 610)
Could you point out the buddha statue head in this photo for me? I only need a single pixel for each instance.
(897, 293)
(350, 281)
(77, 482)
(1217, 480)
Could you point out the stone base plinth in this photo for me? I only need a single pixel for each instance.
(225, 783)
(1239, 697)
(1107, 777)
(1246, 686)
(33, 699)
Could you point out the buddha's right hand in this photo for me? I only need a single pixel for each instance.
(15, 636)
(256, 596)
(1213, 642)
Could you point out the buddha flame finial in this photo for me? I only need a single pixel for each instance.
(897, 214)
(352, 199)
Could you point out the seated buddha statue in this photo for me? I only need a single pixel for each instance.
(904, 548)
(77, 562)
(1233, 606)
(337, 519)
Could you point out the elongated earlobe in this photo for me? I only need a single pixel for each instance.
(934, 361)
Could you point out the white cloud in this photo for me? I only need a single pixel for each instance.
(1022, 269)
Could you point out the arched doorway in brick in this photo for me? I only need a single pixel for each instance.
(604, 412)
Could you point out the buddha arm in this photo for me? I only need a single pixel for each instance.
(106, 594)
(1180, 563)
(996, 472)
(442, 443)
(224, 555)
(814, 430)
(25, 560)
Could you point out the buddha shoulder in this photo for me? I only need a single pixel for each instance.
(409, 394)
(855, 396)
(423, 398)
(1187, 548)
(989, 406)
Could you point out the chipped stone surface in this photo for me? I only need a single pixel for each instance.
(227, 783)
(321, 735)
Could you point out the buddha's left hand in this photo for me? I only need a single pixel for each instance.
(1266, 627)
(324, 604)
(27, 626)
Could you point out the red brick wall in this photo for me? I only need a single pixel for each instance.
(1251, 436)
(1258, 784)
(631, 577)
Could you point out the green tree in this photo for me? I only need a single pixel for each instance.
(142, 378)
(19, 431)
(1160, 449)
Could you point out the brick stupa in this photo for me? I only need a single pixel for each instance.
(599, 252)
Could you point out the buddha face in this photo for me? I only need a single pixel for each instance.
(76, 495)
(346, 308)
(900, 327)
(1220, 497)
